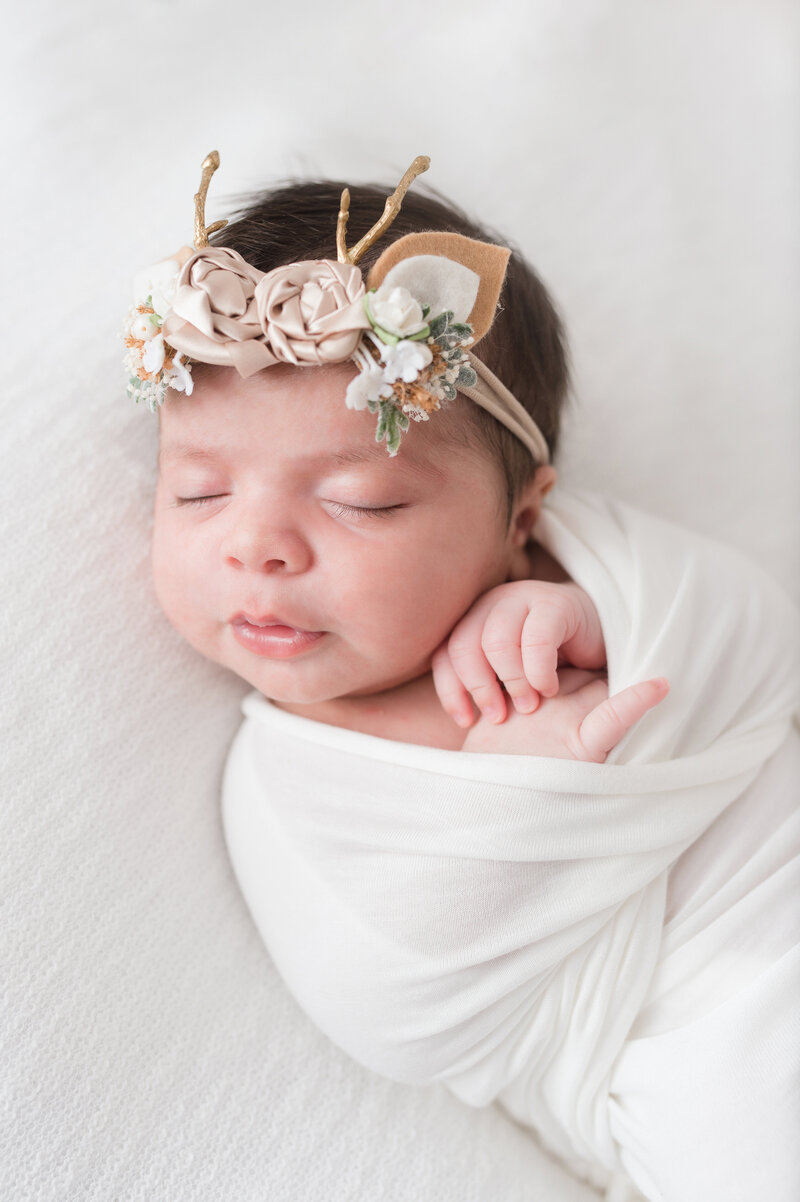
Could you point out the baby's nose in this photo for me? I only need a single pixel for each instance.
(261, 545)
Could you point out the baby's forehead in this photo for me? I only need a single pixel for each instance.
(181, 441)
(188, 433)
(296, 420)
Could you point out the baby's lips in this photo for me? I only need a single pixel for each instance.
(269, 620)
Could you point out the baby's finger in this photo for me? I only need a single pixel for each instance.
(606, 724)
(543, 632)
(449, 689)
(500, 642)
(469, 662)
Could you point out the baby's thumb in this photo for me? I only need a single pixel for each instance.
(611, 720)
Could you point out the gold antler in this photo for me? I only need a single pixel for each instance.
(341, 227)
(201, 230)
(421, 163)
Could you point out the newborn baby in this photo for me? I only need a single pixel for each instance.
(587, 918)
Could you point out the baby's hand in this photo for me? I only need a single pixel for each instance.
(519, 632)
(581, 723)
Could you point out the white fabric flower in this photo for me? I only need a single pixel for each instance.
(369, 385)
(180, 377)
(153, 354)
(158, 282)
(396, 311)
(405, 360)
(438, 282)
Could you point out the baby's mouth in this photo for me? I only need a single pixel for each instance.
(271, 637)
(272, 622)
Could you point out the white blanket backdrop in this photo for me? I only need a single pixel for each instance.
(645, 158)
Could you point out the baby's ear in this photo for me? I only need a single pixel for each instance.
(446, 271)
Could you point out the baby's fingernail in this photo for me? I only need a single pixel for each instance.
(525, 705)
(463, 719)
(492, 713)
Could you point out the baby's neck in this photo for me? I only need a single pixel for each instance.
(408, 713)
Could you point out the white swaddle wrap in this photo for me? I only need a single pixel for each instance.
(509, 925)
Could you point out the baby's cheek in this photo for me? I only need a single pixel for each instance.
(161, 561)
(172, 582)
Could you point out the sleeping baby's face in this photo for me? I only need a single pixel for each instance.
(275, 505)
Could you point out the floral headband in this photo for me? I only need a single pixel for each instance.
(428, 297)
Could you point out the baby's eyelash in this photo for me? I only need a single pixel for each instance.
(378, 511)
(340, 507)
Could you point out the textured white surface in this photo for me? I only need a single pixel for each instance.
(645, 157)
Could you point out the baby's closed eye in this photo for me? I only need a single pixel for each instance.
(342, 509)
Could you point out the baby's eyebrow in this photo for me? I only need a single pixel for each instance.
(376, 453)
(183, 450)
(341, 458)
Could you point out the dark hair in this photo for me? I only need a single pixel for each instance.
(525, 347)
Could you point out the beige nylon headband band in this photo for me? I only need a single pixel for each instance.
(493, 396)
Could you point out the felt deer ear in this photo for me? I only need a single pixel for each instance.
(446, 271)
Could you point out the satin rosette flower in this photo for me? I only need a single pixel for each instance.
(312, 312)
(213, 318)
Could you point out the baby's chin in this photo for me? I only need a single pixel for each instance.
(292, 682)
